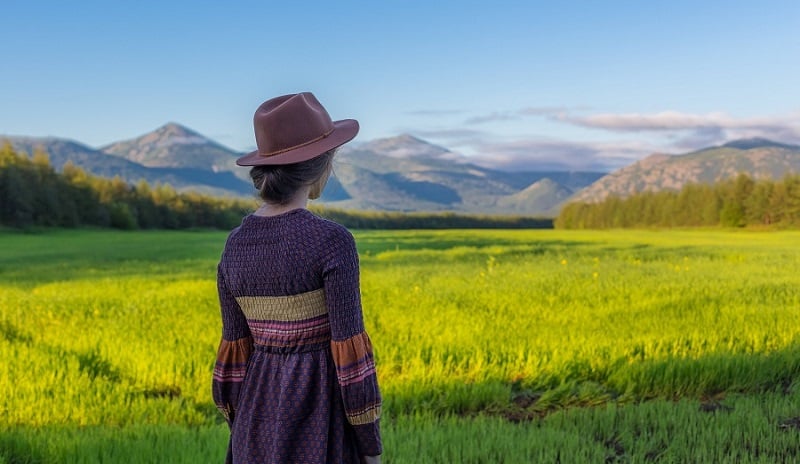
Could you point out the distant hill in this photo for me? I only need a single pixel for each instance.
(544, 194)
(105, 165)
(759, 158)
(176, 146)
(402, 173)
(405, 173)
(408, 146)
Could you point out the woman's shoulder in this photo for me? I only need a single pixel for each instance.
(232, 234)
(299, 224)
(332, 232)
(332, 227)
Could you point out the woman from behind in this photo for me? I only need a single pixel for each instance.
(295, 376)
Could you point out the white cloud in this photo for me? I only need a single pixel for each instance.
(549, 110)
(435, 112)
(452, 134)
(638, 135)
(633, 122)
(693, 130)
(547, 154)
(493, 117)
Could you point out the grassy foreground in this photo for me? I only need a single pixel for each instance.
(492, 346)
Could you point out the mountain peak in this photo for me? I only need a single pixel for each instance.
(755, 142)
(408, 138)
(174, 145)
(173, 128)
(408, 146)
(170, 134)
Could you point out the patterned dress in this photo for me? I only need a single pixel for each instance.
(295, 376)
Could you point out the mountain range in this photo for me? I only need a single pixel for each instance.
(400, 173)
(405, 173)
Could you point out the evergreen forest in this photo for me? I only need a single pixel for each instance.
(33, 194)
(737, 202)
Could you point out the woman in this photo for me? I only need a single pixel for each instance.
(294, 376)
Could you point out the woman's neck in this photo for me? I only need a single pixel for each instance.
(270, 209)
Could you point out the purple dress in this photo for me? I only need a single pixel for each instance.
(295, 376)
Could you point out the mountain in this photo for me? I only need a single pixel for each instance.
(756, 142)
(759, 158)
(103, 164)
(405, 173)
(175, 146)
(402, 173)
(543, 195)
(94, 161)
(408, 146)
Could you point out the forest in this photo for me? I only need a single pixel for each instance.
(738, 202)
(34, 194)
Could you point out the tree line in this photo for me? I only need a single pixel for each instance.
(737, 202)
(420, 220)
(34, 194)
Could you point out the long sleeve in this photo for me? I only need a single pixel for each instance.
(351, 346)
(234, 351)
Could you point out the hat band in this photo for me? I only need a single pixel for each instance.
(284, 150)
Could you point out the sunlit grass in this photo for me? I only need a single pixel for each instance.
(115, 333)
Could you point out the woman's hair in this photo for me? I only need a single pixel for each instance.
(277, 184)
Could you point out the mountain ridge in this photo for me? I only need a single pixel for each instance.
(759, 158)
(175, 146)
(757, 142)
(99, 163)
(407, 173)
(401, 173)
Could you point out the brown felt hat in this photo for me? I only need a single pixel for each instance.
(294, 128)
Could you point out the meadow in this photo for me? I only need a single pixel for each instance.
(492, 345)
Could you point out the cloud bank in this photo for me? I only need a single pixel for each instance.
(688, 131)
(636, 135)
(555, 154)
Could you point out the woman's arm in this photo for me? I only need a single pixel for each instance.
(233, 353)
(351, 346)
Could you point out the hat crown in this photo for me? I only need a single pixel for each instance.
(295, 128)
(289, 122)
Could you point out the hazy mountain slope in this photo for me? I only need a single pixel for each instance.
(405, 173)
(543, 195)
(757, 157)
(102, 164)
(427, 177)
(400, 173)
(369, 190)
(61, 150)
(176, 146)
(406, 146)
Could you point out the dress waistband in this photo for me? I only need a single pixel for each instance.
(293, 349)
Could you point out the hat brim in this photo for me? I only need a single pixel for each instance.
(343, 132)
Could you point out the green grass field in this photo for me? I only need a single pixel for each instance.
(492, 346)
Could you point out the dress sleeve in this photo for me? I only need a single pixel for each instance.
(233, 353)
(351, 346)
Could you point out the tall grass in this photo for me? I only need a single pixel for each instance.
(487, 343)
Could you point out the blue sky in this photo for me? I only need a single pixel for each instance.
(517, 85)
